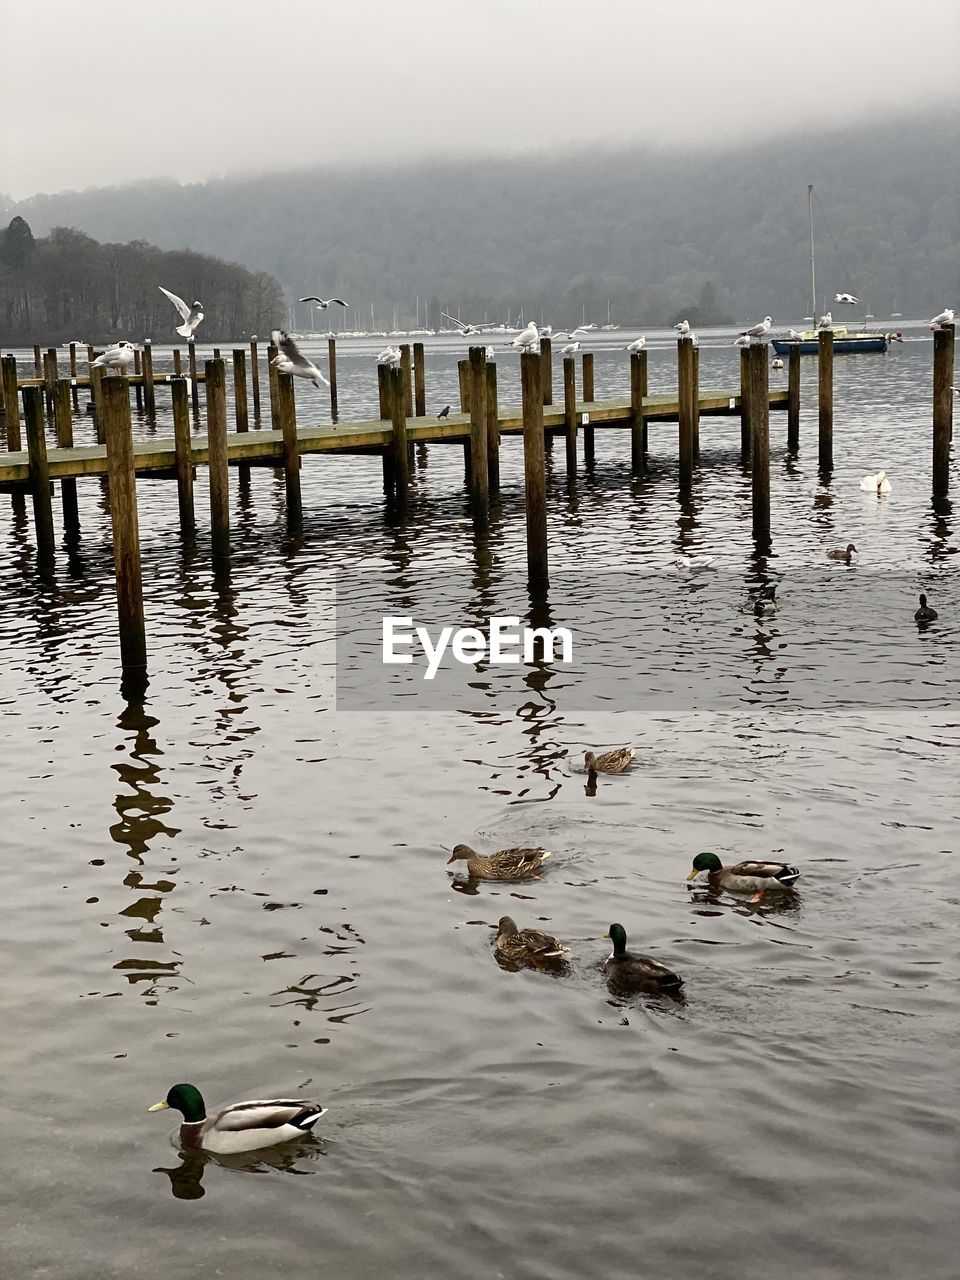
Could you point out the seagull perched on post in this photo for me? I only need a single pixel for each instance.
(848, 299)
(527, 338)
(945, 317)
(323, 303)
(391, 356)
(119, 355)
(190, 315)
(683, 328)
(637, 345)
(570, 349)
(289, 360)
(758, 330)
(825, 322)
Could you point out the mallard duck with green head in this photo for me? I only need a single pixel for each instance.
(616, 761)
(244, 1126)
(505, 864)
(526, 946)
(743, 877)
(625, 969)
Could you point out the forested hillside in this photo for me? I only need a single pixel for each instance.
(649, 231)
(67, 286)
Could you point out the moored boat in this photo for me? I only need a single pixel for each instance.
(845, 341)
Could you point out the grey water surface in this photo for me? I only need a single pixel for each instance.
(242, 881)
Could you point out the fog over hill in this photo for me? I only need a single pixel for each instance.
(655, 233)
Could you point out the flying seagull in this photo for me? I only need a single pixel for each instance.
(323, 303)
(527, 338)
(119, 355)
(637, 345)
(945, 317)
(289, 360)
(683, 328)
(847, 298)
(758, 330)
(191, 316)
(465, 330)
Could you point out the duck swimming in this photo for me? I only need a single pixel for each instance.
(743, 877)
(925, 613)
(244, 1126)
(625, 969)
(526, 946)
(839, 554)
(506, 864)
(616, 761)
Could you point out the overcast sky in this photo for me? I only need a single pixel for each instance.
(203, 87)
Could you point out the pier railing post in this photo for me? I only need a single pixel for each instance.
(255, 379)
(194, 381)
(745, 418)
(291, 449)
(51, 372)
(384, 390)
(695, 395)
(825, 400)
(534, 474)
(149, 395)
(126, 531)
(11, 400)
(63, 416)
(138, 376)
(177, 363)
(686, 407)
(419, 381)
(493, 427)
(479, 477)
(406, 369)
(586, 371)
(570, 416)
(332, 370)
(33, 401)
(272, 353)
(37, 362)
(398, 419)
(75, 392)
(760, 440)
(184, 458)
(215, 382)
(463, 377)
(793, 399)
(241, 413)
(943, 393)
(96, 396)
(546, 369)
(638, 457)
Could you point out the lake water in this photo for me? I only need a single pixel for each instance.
(241, 882)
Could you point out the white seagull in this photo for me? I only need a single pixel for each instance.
(825, 322)
(323, 303)
(758, 330)
(945, 317)
(289, 360)
(465, 330)
(570, 349)
(391, 356)
(489, 353)
(792, 333)
(742, 341)
(848, 299)
(119, 355)
(527, 338)
(683, 328)
(190, 315)
(637, 345)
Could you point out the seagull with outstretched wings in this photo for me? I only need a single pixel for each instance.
(190, 315)
(323, 303)
(290, 360)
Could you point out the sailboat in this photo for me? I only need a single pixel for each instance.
(845, 341)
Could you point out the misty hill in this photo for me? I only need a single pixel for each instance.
(67, 286)
(655, 233)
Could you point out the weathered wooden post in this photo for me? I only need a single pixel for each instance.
(493, 427)
(745, 418)
(760, 441)
(586, 371)
(463, 376)
(63, 417)
(51, 372)
(570, 415)
(695, 396)
(126, 532)
(686, 406)
(75, 391)
(419, 381)
(825, 387)
(793, 399)
(33, 398)
(398, 419)
(11, 400)
(384, 390)
(216, 354)
(332, 370)
(546, 369)
(149, 395)
(479, 476)
(37, 362)
(218, 466)
(291, 451)
(534, 474)
(272, 353)
(255, 379)
(192, 366)
(406, 368)
(638, 441)
(96, 395)
(240, 389)
(138, 373)
(177, 363)
(943, 393)
(182, 448)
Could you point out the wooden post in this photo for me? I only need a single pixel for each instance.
(745, 418)
(33, 398)
(11, 400)
(215, 382)
(216, 355)
(192, 366)
(493, 427)
(419, 381)
(686, 404)
(407, 371)
(695, 401)
(479, 477)
(386, 415)
(255, 379)
(149, 395)
(37, 362)
(760, 440)
(825, 385)
(570, 415)
(240, 389)
(638, 454)
(291, 452)
(943, 393)
(126, 532)
(182, 447)
(272, 353)
(398, 417)
(177, 363)
(51, 372)
(793, 399)
(463, 374)
(138, 373)
(96, 395)
(546, 372)
(75, 391)
(586, 370)
(332, 369)
(534, 475)
(68, 487)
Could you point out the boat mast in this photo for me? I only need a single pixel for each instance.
(813, 261)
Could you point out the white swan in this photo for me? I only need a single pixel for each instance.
(876, 484)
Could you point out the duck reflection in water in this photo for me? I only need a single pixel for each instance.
(186, 1180)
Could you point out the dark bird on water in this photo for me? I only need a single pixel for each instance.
(444, 412)
(925, 613)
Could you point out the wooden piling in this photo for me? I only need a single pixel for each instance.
(177, 363)
(96, 395)
(695, 394)
(406, 368)
(793, 401)
(419, 381)
(570, 415)
(216, 354)
(255, 379)
(291, 451)
(11, 400)
(479, 476)
(398, 419)
(586, 373)
(192, 366)
(493, 428)
(332, 370)
(51, 372)
(272, 353)
(943, 394)
(463, 376)
(760, 440)
(33, 416)
(215, 384)
(546, 369)
(63, 417)
(240, 389)
(745, 418)
(37, 362)
(686, 393)
(384, 390)
(138, 373)
(74, 390)
(825, 400)
(149, 395)
(638, 458)
(182, 446)
(126, 532)
(534, 474)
